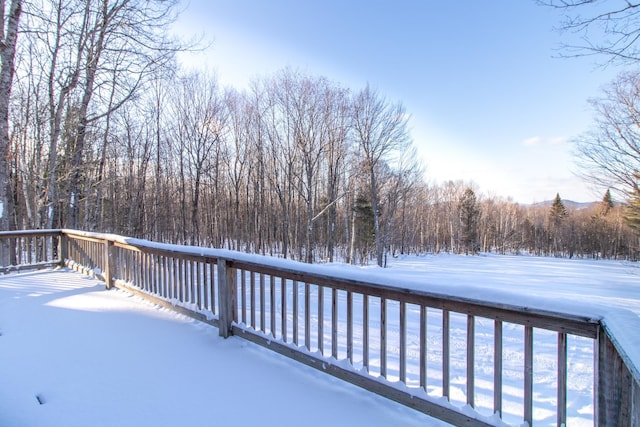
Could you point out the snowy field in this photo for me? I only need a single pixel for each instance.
(600, 289)
(105, 358)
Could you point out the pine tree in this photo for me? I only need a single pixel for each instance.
(558, 211)
(469, 218)
(363, 231)
(606, 204)
(557, 214)
(631, 212)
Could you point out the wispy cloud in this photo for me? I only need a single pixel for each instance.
(537, 140)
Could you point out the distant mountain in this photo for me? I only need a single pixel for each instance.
(569, 204)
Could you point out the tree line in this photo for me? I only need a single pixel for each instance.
(107, 133)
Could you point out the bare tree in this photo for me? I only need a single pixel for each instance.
(381, 133)
(600, 27)
(281, 157)
(92, 57)
(236, 164)
(398, 183)
(200, 124)
(337, 130)
(609, 154)
(124, 37)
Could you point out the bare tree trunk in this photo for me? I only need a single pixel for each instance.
(9, 34)
(93, 60)
(56, 109)
(352, 244)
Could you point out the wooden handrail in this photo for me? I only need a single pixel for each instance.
(306, 314)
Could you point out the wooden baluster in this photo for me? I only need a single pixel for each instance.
(137, 268)
(193, 269)
(212, 287)
(153, 270)
(176, 281)
(423, 347)
(365, 331)
(334, 323)
(213, 293)
(206, 298)
(321, 319)
(161, 275)
(283, 308)
(27, 250)
(295, 312)
(403, 342)
(262, 304)
(272, 305)
(528, 374)
(471, 345)
(307, 316)
(252, 296)
(148, 264)
(497, 368)
(446, 352)
(110, 263)
(198, 284)
(562, 379)
(181, 280)
(350, 327)
(186, 283)
(383, 337)
(243, 292)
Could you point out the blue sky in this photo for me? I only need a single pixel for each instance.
(490, 99)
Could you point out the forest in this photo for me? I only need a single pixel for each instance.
(106, 132)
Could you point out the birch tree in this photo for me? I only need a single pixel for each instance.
(9, 23)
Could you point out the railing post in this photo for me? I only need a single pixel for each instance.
(613, 386)
(109, 263)
(62, 248)
(226, 297)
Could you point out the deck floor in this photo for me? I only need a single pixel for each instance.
(75, 354)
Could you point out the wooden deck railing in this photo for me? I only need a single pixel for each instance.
(377, 336)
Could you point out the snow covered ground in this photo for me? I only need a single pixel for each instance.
(600, 289)
(106, 358)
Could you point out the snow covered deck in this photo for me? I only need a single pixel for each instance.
(74, 354)
(544, 340)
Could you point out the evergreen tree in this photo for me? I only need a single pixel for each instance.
(558, 210)
(606, 204)
(631, 212)
(469, 218)
(363, 238)
(599, 237)
(557, 214)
